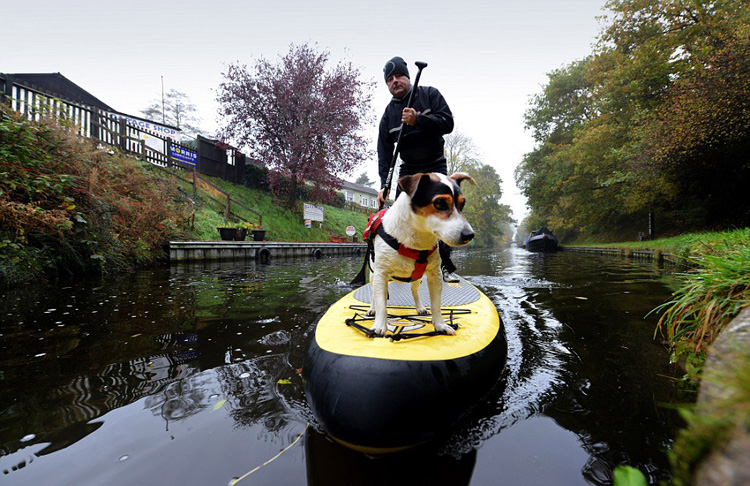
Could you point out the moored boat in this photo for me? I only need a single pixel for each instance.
(541, 240)
(384, 394)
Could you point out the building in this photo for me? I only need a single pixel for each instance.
(359, 194)
(21, 88)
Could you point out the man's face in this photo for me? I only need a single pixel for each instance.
(398, 85)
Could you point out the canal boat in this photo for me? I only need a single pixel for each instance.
(379, 395)
(541, 240)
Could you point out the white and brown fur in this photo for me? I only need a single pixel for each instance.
(427, 210)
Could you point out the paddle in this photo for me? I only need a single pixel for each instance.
(360, 278)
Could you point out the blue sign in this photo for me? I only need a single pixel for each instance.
(181, 154)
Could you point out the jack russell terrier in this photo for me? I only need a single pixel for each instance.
(404, 240)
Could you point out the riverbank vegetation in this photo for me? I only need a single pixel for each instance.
(281, 223)
(68, 207)
(710, 296)
(655, 120)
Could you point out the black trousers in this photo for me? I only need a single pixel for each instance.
(445, 257)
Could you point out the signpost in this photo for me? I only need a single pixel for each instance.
(351, 231)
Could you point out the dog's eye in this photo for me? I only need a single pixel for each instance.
(440, 204)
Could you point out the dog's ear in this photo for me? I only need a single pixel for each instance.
(410, 183)
(459, 177)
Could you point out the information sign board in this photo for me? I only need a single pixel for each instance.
(313, 213)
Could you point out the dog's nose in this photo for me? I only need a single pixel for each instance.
(467, 236)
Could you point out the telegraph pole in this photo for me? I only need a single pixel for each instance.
(163, 117)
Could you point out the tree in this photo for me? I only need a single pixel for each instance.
(460, 153)
(178, 111)
(553, 175)
(656, 119)
(483, 209)
(700, 137)
(363, 179)
(564, 105)
(684, 65)
(299, 116)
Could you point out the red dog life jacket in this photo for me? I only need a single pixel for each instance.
(374, 227)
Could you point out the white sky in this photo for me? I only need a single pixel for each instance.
(486, 57)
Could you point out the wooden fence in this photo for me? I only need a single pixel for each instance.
(116, 130)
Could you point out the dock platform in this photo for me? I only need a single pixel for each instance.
(263, 251)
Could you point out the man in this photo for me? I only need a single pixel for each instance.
(422, 143)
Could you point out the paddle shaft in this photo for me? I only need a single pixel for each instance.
(389, 179)
(360, 278)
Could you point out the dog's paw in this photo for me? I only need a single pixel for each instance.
(370, 312)
(379, 329)
(445, 328)
(422, 311)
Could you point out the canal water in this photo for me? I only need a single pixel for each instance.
(189, 375)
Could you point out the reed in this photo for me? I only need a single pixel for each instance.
(711, 295)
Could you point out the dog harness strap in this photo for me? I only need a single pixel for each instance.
(420, 264)
(371, 230)
(420, 256)
(373, 225)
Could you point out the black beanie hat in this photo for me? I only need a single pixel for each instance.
(397, 65)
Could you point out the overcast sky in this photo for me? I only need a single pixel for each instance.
(486, 57)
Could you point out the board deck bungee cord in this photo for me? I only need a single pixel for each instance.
(384, 394)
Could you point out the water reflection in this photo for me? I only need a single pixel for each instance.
(329, 464)
(197, 366)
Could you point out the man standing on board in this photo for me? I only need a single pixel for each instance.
(422, 144)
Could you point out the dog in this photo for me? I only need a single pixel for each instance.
(428, 209)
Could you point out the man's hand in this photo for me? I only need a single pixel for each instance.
(381, 198)
(409, 116)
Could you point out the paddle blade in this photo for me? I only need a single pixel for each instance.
(360, 279)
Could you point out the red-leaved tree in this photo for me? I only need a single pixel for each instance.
(303, 119)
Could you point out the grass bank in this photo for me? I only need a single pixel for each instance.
(281, 222)
(687, 246)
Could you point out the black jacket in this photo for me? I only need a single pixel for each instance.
(422, 144)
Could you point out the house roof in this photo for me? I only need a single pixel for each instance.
(58, 85)
(358, 187)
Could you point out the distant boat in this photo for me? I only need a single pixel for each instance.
(541, 240)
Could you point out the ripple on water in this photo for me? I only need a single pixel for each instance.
(535, 367)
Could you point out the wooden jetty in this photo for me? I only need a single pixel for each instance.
(262, 251)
